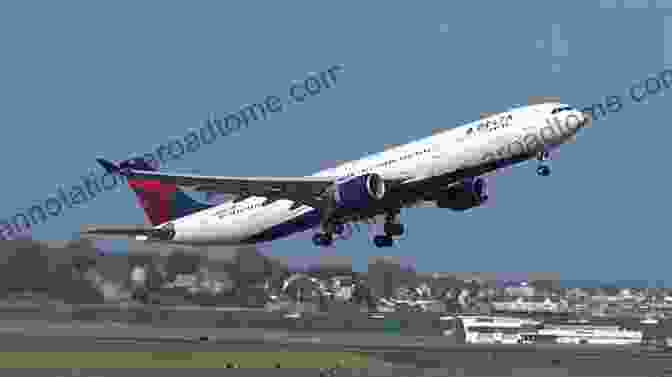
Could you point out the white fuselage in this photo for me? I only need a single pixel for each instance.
(441, 153)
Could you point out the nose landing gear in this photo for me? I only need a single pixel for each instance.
(543, 169)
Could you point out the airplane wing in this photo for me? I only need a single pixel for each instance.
(302, 190)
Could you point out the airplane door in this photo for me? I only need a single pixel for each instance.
(438, 160)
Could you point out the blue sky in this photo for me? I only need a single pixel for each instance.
(80, 79)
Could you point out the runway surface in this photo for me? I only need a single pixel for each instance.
(391, 354)
(414, 348)
(211, 317)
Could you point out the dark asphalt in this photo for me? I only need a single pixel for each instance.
(416, 350)
(194, 317)
(391, 353)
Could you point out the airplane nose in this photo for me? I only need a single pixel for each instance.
(577, 120)
(585, 119)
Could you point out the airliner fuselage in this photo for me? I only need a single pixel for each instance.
(516, 135)
(442, 168)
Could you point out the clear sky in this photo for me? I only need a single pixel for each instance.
(80, 79)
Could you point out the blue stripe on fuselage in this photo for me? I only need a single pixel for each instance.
(297, 224)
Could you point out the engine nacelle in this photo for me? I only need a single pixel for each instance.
(359, 192)
(466, 195)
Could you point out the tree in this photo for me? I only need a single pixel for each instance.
(34, 267)
(251, 267)
(82, 253)
(609, 289)
(362, 294)
(301, 288)
(446, 284)
(386, 276)
(549, 286)
(26, 269)
(328, 271)
(179, 262)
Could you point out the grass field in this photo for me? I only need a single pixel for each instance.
(109, 360)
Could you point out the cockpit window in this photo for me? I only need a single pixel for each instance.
(561, 109)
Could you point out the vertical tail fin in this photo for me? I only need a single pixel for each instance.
(162, 202)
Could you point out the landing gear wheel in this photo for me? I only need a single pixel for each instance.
(543, 156)
(383, 241)
(392, 226)
(392, 229)
(543, 170)
(322, 239)
(339, 229)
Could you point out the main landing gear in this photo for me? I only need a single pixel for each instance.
(392, 229)
(326, 238)
(323, 239)
(543, 170)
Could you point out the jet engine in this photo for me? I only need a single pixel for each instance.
(359, 192)
(468, 194)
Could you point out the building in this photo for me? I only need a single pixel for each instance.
(530, 304)
(517, 288)
(139, 275)
(490, 330)
(587, 334)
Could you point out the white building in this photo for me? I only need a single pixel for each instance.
(519, 289)
(184, 281)
(592, 335)
(424, 290)
(463, 298)
(139, 275)
(488, 329)
(530, 304)
(345, 292)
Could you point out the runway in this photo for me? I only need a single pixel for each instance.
(390, 354)
(414, 348)
(108, 334)
(213, 317)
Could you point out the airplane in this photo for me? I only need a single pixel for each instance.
(447, 169)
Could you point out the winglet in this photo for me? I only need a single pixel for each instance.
(109, 167)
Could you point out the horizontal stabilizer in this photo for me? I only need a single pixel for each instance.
(109, 167)
(138, 232)
(125, 167)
